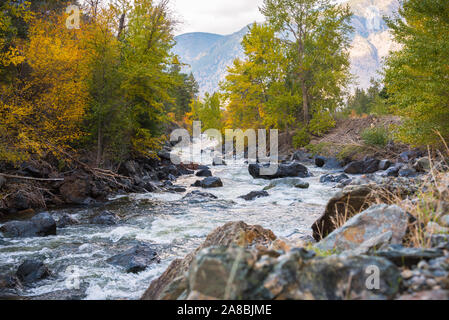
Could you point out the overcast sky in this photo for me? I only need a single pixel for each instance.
(215, 16)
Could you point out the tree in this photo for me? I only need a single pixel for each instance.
(417, 75)
(320, 33)
(184, 91)
(43, 110)
(255, 87)
(207, 111)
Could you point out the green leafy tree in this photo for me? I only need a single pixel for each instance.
(319, 32)
(417, 75)
(208, 111)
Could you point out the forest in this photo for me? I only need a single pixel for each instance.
(92, 205)
(107, 88)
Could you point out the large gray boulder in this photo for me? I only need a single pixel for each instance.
(294, 169)
(135, 259)
(40, 225)
(209, 183)
(31, 271)
(171, 283)
(378, 225)
(362, 167)
(239, 273)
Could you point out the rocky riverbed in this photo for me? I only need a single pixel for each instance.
(163, 234)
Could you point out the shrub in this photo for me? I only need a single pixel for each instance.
(321, 124)
(301, 138)
(377, 137)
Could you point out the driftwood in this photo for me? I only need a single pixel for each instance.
(9, 176)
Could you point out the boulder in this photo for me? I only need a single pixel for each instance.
(32, 271)
(345, 278)
(176, 189)
(255, 195)
(198, 197)
(342, 206)
(368, 227)
(291, 182)
(204, 173)
(22, 200)
(435, 228)
(408, 257)
(393, 171)
(320, 161)
(40, 225)
(106, 218)
(384, 165)
(208, 183)
(332, 164)
(362, 167)
(76, 189)
(302, 185)
(232, 273)
(129, 168)
(444, 221)
(135, 259)
(164, 154)
(422, 164)
(301, 156)
(294, 169)
(150, 186)
(66, 220)
(172, 282)
(407, 172)
(328, 178)
(408, 156)
(9, 282)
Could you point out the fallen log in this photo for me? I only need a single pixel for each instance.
(10, 176)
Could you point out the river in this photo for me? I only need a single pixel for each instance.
(174, 227)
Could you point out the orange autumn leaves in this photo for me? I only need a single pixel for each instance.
(42, 108)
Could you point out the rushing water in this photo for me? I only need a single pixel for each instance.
(173, 226)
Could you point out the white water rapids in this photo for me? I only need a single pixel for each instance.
(173, 226)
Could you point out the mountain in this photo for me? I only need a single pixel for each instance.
(209, 55)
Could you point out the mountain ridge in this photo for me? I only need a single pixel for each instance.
(208, 55)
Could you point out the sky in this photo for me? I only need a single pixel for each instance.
(215, 16)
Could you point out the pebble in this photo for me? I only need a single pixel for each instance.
(407, 274)
(423, 265)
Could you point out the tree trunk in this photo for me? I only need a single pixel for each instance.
(99, 147)
(305, 102)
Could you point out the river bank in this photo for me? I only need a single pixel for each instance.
(115, 249)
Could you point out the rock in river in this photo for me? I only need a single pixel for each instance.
(255, 195)
(40, 225)
(106, 218)
(362, 167)
(135, 259)
(204, 173)
(209, 182)
(328, 178)
(31, 271)
(294, 169)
